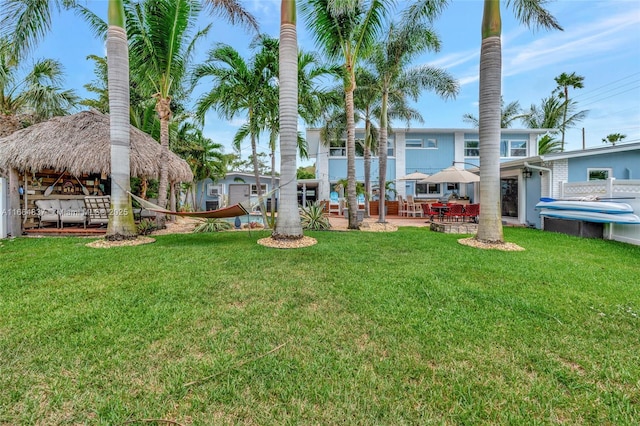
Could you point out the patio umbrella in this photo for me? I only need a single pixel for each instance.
(414, 176)
(452, 174)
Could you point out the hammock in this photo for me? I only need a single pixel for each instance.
(231, 211)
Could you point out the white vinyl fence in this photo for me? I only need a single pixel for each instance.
(624, 191)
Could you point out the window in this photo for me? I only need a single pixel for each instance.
(471, 148)
(338, 148)
(509, 148)
(254, 189)
(599, 174)
(518, 149)
(413, 143)
(390, 148)
(431, 143)
(423, 189)
(212, 190)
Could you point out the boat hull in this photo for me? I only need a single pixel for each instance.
(589, 216)
(608, 207)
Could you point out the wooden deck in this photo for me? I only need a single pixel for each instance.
(68, 231)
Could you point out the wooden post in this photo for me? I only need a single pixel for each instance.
(14, 226)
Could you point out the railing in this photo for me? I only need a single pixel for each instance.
(625, 191)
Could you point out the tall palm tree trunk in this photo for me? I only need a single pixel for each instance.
(256, 174)
(272, 210)
(564, 116)
(367, 166)
(490, 223)
(121, 224)
(352, 200)
(288, 223)
(382, 158)
(14, 223)
(163, 108)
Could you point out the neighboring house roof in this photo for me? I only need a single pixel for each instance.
(610, 149)
(246, 176)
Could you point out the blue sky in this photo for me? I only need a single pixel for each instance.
(600, 41)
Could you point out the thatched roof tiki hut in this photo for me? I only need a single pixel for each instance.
(76, 147)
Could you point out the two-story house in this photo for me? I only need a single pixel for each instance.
(422, 150)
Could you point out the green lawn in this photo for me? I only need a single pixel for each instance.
(363, 328)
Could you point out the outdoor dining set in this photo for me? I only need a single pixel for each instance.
(440, 211)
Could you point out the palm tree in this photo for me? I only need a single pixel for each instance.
(529, 12)
(205, 157)
(239, 87)
(161, 43)
(396, 82)
(549, 115)
(310, 103)
(564, 82)
(36, 96)
(509, 113)
(612, 138)
(288, 224)
(120, 226)
(345, 30)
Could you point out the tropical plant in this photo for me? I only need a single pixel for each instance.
(213, 225)
(146, 226)
(345, 30)
(35, 94)
(550, 115)
(547, 144)
(564, 82)
(390, 61)
(313, 217)
(612, 138)
(240, 88)
(305, 173)
(509, 113)
(162, 43)
(205, 157)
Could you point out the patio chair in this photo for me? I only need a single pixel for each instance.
(72, 211)
(472, 211)
(413, 209)
(402, 206)
(334, 203)
(97, 209)
(48, 212)
(455, 211)
(427, 211)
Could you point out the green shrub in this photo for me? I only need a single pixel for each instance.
(146, 226)
(213, 225)
(313, 218)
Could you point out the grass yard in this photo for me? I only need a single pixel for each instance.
(361, 329)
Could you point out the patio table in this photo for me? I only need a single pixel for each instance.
(441, 209)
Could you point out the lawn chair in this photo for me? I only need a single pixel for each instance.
(97, 209)
(334, 203)
(413, 209)
(402, 206)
